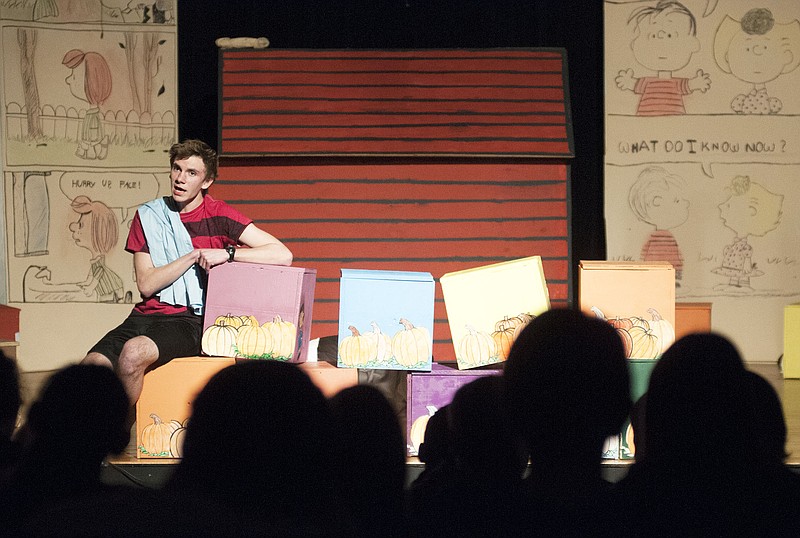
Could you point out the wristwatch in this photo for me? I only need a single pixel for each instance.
(231, 250)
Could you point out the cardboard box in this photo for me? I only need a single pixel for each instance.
(385, 320)
(488, 306)
(790, 364)
(329, 378)
(640, 371)
(637, 298)
(692, 318)
(166, 403)
(259, 311)
(621, 446)
(9, 323)
(427, 392)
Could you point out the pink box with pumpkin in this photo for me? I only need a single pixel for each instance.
(258, 311)
(427, 392)
(637, 298)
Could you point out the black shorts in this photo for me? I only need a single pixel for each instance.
(175, 335)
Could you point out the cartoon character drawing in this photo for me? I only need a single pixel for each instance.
(657, 198)
(664, 41)
(749, 210)
(757, 50)
(97, 231)
(90, 80)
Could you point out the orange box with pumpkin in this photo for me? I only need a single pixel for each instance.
(166, 403)
(258, 311)
(637, 298)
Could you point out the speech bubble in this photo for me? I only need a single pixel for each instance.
(121, 190)
(734, 139)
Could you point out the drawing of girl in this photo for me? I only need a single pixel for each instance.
(90, 81)
(757, 50)
(750, 210)
(97, 231)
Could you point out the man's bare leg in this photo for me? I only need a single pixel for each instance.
(97, 358)
(137, 354)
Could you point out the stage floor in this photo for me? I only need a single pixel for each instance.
(127, 468)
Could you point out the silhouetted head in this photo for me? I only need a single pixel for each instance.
(370, 439)
(260, 431)
(567, 382)
(10, 399)
(435, 447)
(695, 401)
(481, 436)
(82, 411)
(768, 425)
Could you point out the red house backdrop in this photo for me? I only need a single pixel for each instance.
(417, 160)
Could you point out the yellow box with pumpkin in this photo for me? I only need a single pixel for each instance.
(790, 363)
(488, 306)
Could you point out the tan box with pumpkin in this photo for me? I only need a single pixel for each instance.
(637, 298)
(329, 378)
(166, 403)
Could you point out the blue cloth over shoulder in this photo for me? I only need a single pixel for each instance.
(168, 240)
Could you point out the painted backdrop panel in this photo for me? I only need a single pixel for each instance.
(703, 155)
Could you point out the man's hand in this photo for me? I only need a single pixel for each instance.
(209, 257)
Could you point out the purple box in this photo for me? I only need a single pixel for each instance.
(258, 311)
(427, 392)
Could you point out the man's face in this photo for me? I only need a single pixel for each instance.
(188, 182)
(664, 41)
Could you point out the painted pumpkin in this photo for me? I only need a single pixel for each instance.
(504, 335)
(253, 341)
(418, 427)
(356, 349)
(629, 436)
(155, 436)
(249, 320)
(283, 335)
(645, 343)
(176, 442)
(627, 341)
(622, 325)
(663, 329)
(382, 343)
(220, 340)
(229, 320)
(411, 345)
(476, 348)
(524, 318)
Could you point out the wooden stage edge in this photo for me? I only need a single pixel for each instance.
(128, 469)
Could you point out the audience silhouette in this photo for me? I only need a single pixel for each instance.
(372, 460)
(76, 422)
(567, 390)
(469, 491)
(435, 451)
(260, 440)
(10, 402)
(266, 454)
(714, 450)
